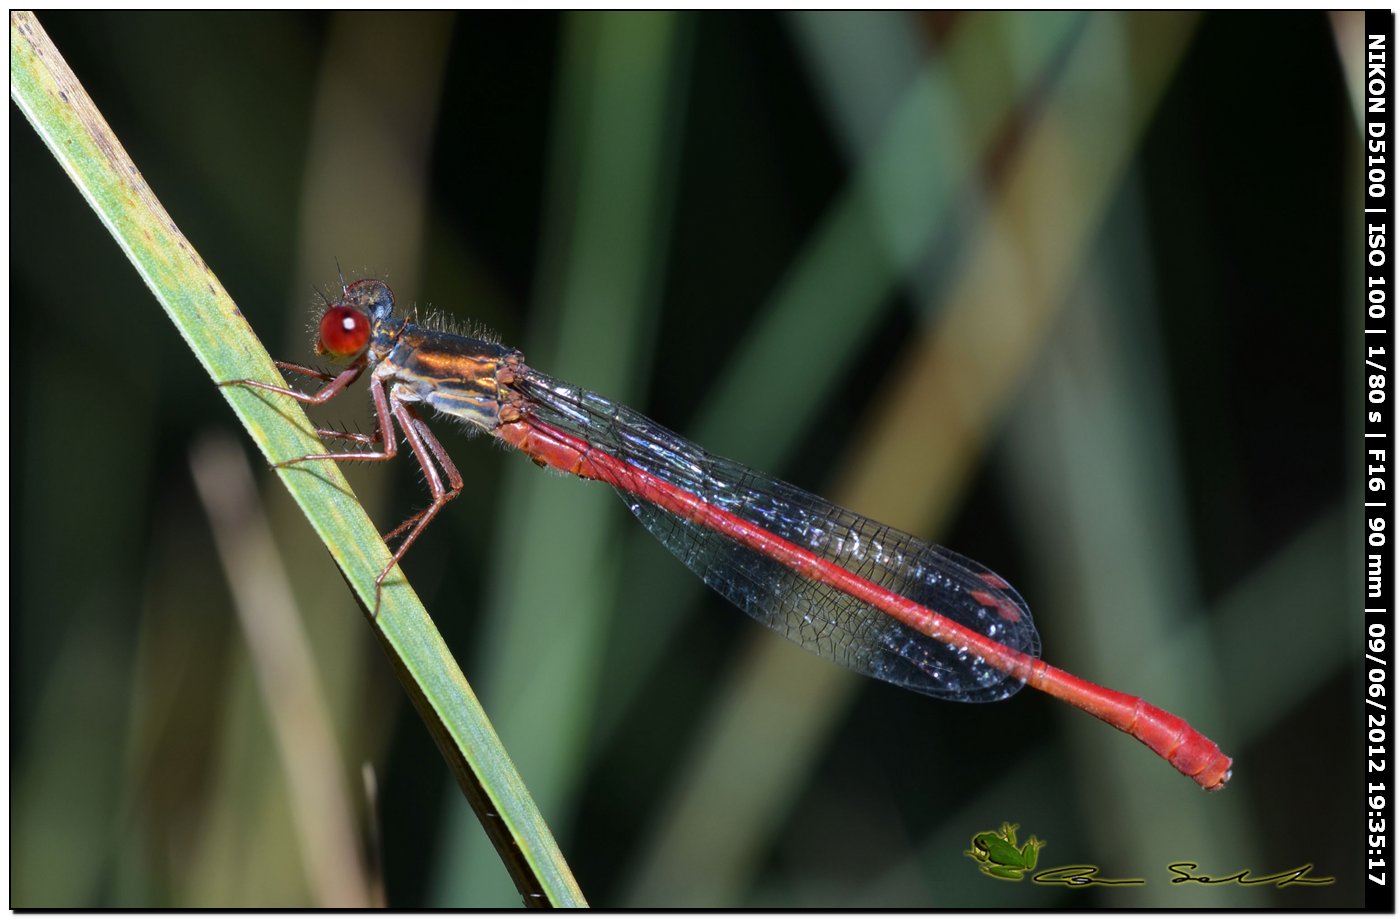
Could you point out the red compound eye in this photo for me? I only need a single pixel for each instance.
(344, 332)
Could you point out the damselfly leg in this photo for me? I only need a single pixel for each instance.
(387, 410)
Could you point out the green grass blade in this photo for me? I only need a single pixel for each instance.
(50, 96)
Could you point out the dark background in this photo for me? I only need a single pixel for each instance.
(1082, 307)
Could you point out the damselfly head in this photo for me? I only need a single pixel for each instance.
(371, 297)
(345, 327)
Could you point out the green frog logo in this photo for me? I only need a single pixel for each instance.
(997, 856)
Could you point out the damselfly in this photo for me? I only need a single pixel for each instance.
(854, 591)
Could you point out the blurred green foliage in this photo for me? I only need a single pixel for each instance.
(1070, 294)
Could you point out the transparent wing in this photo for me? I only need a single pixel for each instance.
(816, 616)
